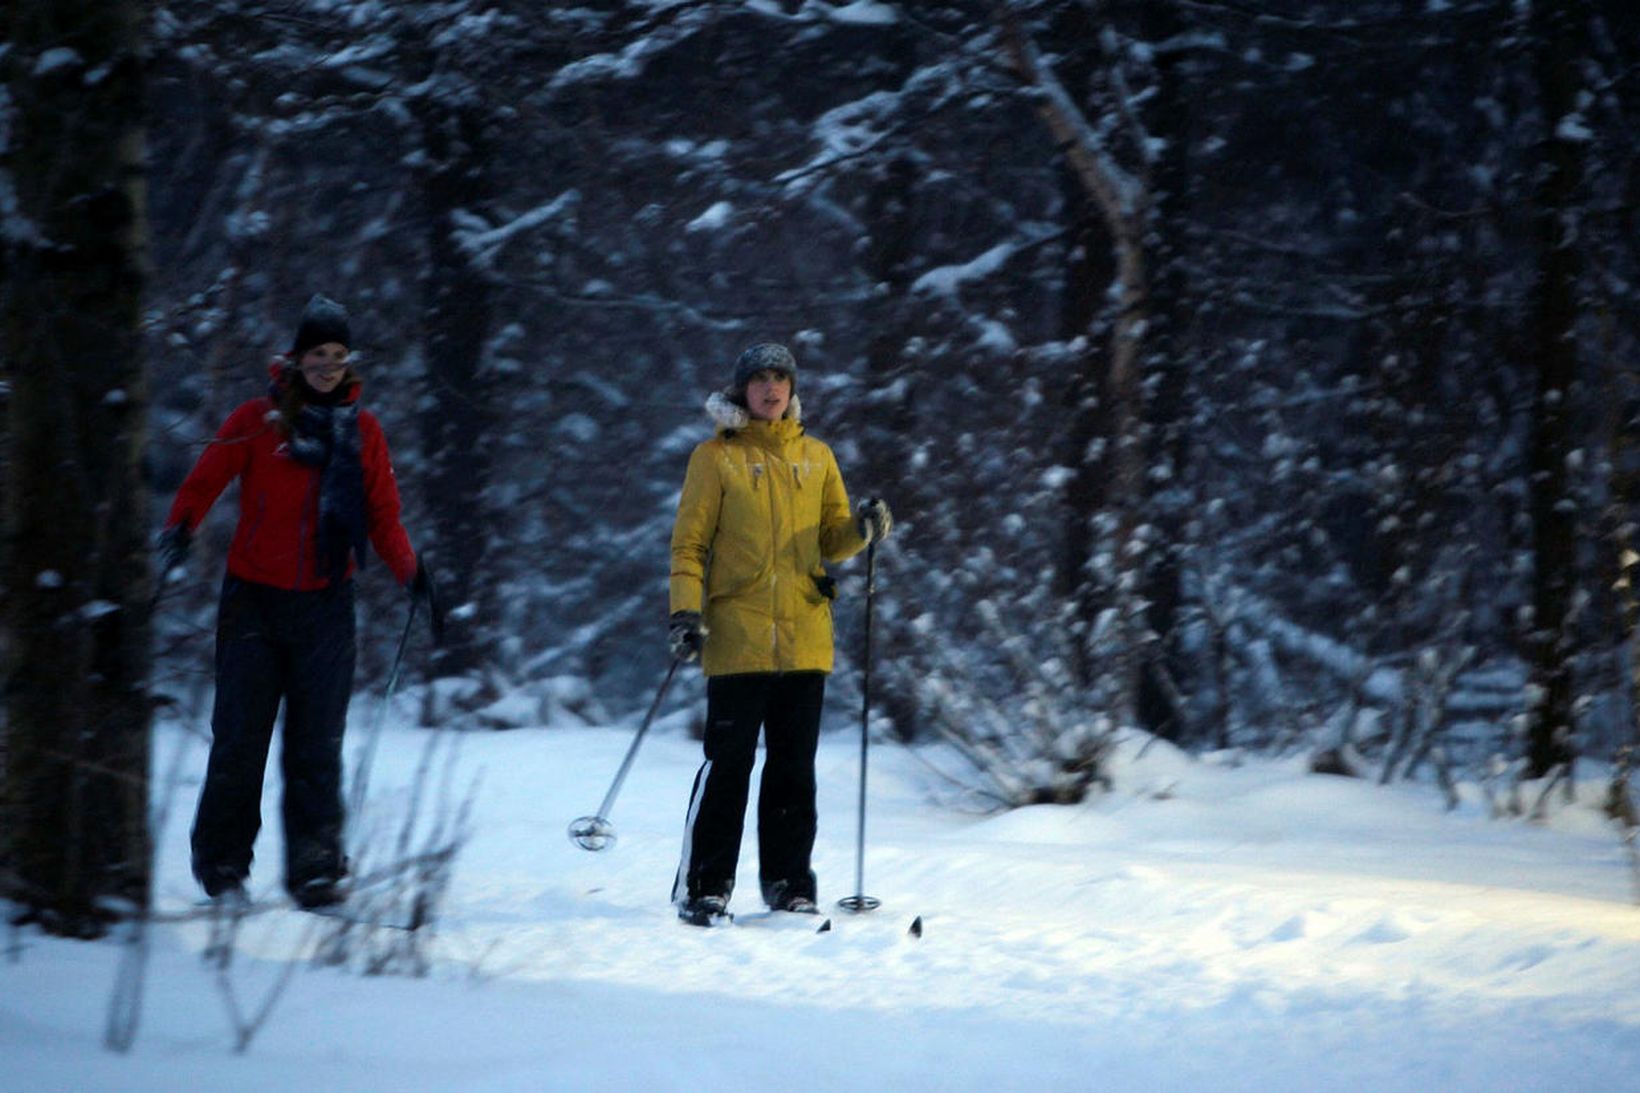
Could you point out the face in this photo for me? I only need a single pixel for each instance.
(323, 366)
(768, 393)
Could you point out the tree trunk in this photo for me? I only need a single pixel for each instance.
(1088, 490)
(1125, 547)
(458, 417)
(73, 819)
(1557, 34)
(1166, 370)
(1108, 416)
(887, 445)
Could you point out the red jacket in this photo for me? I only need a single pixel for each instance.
(276, 542)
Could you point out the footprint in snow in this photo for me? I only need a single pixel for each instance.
(1384, 932)
(1294, 929)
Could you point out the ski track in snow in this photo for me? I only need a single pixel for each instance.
(1200, 926)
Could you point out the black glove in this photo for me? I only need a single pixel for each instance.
(422, 588)
(875, 520)
(174, 543)
(685, 636)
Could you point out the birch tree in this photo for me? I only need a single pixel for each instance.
(1113, 162)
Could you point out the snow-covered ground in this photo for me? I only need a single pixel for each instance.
(1203, 926)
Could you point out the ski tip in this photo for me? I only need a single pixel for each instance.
(916, 928)
(824, 928)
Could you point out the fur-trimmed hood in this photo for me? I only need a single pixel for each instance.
(729, 416)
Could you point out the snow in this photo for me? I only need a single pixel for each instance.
(54, 60)
(713, 218)
(1573, 128)
(995, 336)
(947, 280)
(844, 132)
(1057, 477)
(683, 148)
(1215, 923)
(865, 13)
(477, 237)
(634, 56)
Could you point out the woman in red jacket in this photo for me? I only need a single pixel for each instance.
(315, 483)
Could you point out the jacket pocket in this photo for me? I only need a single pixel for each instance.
(824, 587)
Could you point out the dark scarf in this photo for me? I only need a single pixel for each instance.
(325, 434)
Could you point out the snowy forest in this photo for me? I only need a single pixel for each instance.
(1256, 375)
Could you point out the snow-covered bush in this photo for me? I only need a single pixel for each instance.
(1026, 733)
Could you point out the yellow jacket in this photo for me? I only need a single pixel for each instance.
(763, 507)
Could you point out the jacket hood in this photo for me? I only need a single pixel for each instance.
(730, 416)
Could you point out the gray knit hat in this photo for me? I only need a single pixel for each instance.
(764, 355)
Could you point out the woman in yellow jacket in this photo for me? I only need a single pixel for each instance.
(763, 509)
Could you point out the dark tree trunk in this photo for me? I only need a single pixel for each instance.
(1557, 32)
(73, 820)
(458, 415)
(1166, 371)
(1105, 495)
(888, 260)
(891, 217)
(1089, 272)
(1086, 491)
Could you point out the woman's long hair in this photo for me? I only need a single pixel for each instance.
(292, 393)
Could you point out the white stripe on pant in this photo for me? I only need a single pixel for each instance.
(680, 884)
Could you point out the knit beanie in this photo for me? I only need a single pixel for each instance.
(764, 355)
(324, 320)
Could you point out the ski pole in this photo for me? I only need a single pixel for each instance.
(596, 833)
(361, 772)
(859, 901)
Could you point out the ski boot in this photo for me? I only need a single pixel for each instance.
(705, 911)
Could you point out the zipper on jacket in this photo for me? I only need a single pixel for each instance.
(302, 528)
(774, 588)
(774, 575)
(256, 524)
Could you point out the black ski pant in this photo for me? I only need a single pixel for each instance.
(786, 706)
(276, 645)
